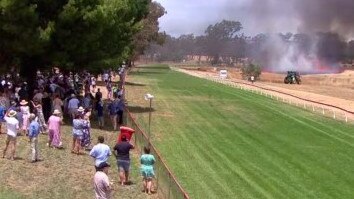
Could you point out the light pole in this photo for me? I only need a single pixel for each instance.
(149, 97)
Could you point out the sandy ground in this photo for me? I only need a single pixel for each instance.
(332, 89)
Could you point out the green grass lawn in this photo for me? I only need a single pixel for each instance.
(222, 142)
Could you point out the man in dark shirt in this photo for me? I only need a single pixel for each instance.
(121, 151)
(120, 109)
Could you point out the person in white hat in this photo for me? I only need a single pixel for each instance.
(12, 128)
(54, 125)
(25, 116)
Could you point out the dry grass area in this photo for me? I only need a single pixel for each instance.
(60, 174)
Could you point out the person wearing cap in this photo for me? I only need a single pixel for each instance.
(54, 135)
(25, 116)
(12, 128)
(121, 152)
(102, 184)
(33, 132)
(73, 105)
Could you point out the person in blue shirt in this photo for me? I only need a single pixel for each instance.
(34, 130)
(100, 152)
(2, 115)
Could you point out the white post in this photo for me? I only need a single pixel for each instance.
(346, 118)
(323, 112)
(313, 108)
(334, 114)
(304, 105)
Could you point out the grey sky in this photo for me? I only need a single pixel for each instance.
(193, 16)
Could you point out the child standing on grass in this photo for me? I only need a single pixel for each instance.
(33, 132)
(99, 109)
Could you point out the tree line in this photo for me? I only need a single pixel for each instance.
(74, 34)
(223, 43)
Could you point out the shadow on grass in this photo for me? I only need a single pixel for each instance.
(139, 109)
(153, 67)
(146, 72)
(134, 84)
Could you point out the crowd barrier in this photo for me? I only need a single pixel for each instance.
(165, 182)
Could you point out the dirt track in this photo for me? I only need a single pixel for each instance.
(333, 89)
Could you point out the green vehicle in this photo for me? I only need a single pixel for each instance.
(293, 77)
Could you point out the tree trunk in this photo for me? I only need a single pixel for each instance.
(28, 70)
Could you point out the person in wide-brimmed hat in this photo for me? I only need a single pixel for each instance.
(54, 124)
(25, 110)
(12, 128)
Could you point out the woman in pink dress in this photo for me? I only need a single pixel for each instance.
(25, 116)
(54, 123)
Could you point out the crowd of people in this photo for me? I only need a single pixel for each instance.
(57, 98)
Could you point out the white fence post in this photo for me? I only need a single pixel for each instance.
(334, 114)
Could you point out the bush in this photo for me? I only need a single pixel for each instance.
(251, 70)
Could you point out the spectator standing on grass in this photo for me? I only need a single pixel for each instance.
(102, 185)
(121, 152)
(54, 126)
(33, 132)
(112, 108)
(73, 106)
(25, 110)
(100, 152)
(86, 140)
(47, 106)
(2, 115)
(38, 106)
(12, 128)
(79, 124)
(120, 109)
(99, 109)
(58, 103)
(147, 169)
(109, 90)
(87, 101)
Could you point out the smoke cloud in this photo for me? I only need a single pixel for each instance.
(308, 16)
(328, 24)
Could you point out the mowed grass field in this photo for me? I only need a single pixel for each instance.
(222, 142)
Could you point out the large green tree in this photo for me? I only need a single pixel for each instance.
(149, 30)
(73, 34)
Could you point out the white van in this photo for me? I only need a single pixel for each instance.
(223, 74)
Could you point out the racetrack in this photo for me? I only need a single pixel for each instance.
(222, 142)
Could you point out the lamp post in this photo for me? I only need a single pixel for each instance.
(149, 97)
